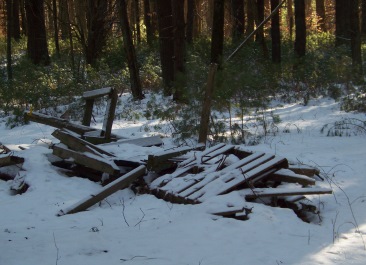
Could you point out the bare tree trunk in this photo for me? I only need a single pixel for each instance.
(55, 27)
(37, 49)
(15, 20)
(356, 40)
(217, 39)
(363, 17)
(147, 21)
(131, 54)
(191, 10)
(179, 49)
(166, 40)
(260, 35)
(251, 6)
(320, 11)
(290, 18)
(238, 18)
(300, 22)
(276, 34)
(343, 28)
(9, 29)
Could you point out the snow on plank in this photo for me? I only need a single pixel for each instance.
(279, 192)
(120, 183)
(87, 159)
(97, 93)
(231, 180)
(144, 142)
(289, 176)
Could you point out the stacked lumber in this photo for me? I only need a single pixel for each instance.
(221, 169)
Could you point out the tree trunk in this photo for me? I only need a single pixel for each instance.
(64, 19)
(23, 16)
(55, 27)
(136, 21)
(342, 17)
(363, 17)
(290, 17)
(238, 18)
(191, 11)
(251, 6)
(300, 23)
(356, 40)
(131, 54)
(217, 39)
(260, 35)
(147, 21)
(320, 12)
(179, 49)
(37, 49)
(276, 34)
(9, 28)
(166, 39)
(15, 20)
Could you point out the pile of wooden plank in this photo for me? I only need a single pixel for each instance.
(218, 170)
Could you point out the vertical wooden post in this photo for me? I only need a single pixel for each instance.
(109, 114)
(89, 103)
(206, 108)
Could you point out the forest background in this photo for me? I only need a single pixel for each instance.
(54, 50)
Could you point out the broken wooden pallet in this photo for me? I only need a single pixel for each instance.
(204, 175)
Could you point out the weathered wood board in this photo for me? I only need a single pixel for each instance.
(120, 183)
(6, 160)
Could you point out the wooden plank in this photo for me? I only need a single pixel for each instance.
(77, 144)
(199, 155)
(97, 93)
(109, 114)
(287, 175)
(159, 162)
(144, 142)
(279, 192)
(10, 160)
(242, 162)
(120, 183)
(88, 113)
(97, 163)
(57, 122)
(304, 170)
(246, 174)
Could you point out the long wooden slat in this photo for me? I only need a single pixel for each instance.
(77, 144)
(287, 175)
(279, 192)
(120, 183)
(97, 93)
(145, 141)
(97, 163)
(57, 122)
(242, 162)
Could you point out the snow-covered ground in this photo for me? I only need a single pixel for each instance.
(130, 229)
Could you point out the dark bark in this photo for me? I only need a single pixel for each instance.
(300, 23)
(130, 52)
(15, 30)
(260, 34)
(275, 33)
(55, 27)
(251, 10)
(363, 17)
(64, 19)
(238, 18)
(136, 11)
(320, 12)
(147, 21)
(217, 39)
(23, 16)
(191, 11)
(9, 26)
(290, 18)
(343, 27)
(179, 49)
(356, 40)
(37, 49)
(166, 40)
(98, 27)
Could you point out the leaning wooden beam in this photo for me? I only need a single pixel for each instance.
(97, 93)
(10, 160)
(88, 160)
(121, 183)
(278, 192)
(56, 122)
(304, 170)
(77, 144)
(109, 113)
(287, 175)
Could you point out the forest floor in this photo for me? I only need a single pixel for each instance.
(140, 229)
